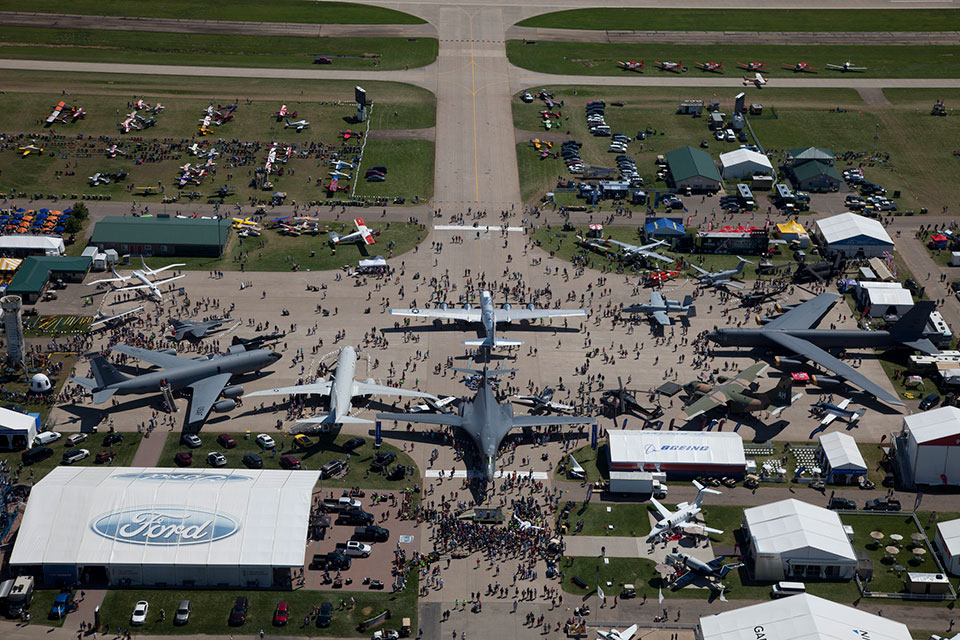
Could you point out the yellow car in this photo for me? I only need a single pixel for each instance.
(302, 441)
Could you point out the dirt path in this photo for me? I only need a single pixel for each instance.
(874, 97)
(428, 133)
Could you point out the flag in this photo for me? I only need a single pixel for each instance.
(600, 593)
(661, 595)
(722, 598)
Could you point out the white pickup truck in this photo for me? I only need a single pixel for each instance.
(354, 548)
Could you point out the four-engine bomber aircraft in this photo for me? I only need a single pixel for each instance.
(341, 389)
(488, 316)
(485, 420)
(792, 332)
(635, 252)
(205, 376)
(722, 278)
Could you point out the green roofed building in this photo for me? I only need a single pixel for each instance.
(161, 236)
(36, 271)
(692, 168)
(802, 155)
(815, 176)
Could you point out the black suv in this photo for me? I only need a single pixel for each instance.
(841, 503)
(238, 615)
(356, 516)
(371, 534)
(882, 504)
(382, 460)
(929, 402)
(325, 615)
(333, 560)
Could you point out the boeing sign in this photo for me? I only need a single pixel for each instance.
(165, 526)
(652, 448)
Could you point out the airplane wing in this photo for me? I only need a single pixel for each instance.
(656, 299)
(654, 254)
(465, 315)
(844, 403)
(664, 512)
(662, 318)
(546, 421)
(515, 315)
(807, 314)
(827, 361)
(205, 393)
(704, 404)
(711, 530)
(684, 580)
(450, 419)
(750, 373)
(116, 317)
(169, 266)
(629, 632)
(556, 406)
(827, 419)
(164, 360)
(367, 389)
(317, 388)
(700, 269)
(157, 283)
(102, 280)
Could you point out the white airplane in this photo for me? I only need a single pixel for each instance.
(613, 634)
(341, 389)
(437, 406)
(113, 152)
(107, 319)
(340, 164)
(834, 411)
(846, 66)
(143, 275)
(362, 233)
(97, 179)
(758, 80)
(299, 125)
(682, 516)
(526, 524)
(340, 174)
(643, 251)
(489, 316)
(544, 402)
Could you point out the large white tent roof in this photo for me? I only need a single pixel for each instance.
(801, 617)
(788, 525)
(16, 421)
(846, 226)
(687, 447)
(22, 241)
(842, 451)
(741, 156)
(950, 532)
(935, 424)
(121, 516)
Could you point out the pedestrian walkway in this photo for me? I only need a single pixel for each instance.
(462, 473)
(151, 446)
(453, 227)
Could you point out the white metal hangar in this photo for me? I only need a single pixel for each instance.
(800, 617)
(679, 454)
(791, 539)
(853, 235)
(928, 447)
(166, 527)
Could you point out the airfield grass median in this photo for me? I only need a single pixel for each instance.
(211, 608)
(600, 59)
(324, 449)
(157, 47)
(242, 10)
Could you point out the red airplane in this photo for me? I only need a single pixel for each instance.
(351, 134)
(676, 67)
(549, 114)
(656, 278)
(799, 67)
(283, 112)
(631, 65)
(752, 66)
(715, 67)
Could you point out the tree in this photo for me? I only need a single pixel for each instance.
(80, 212)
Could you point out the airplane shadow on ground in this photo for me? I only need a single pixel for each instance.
(91, 417)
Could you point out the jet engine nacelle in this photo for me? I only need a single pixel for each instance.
(468, 306)
(506, 306)
(827, 381)
(444, 306)
(531, 306)
(233, 391)
(787, 362)
(224, 405)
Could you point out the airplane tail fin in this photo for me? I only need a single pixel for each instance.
(780, 395)
(691, 311)
(104, 373)
(702, 490)
(727, 568)
(687, 300)
(334, 237)
(913, 322)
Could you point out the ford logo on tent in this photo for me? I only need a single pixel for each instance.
(163, 526)
(161, 476)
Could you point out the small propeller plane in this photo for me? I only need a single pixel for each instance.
(363, 233)
(544, 402)
(340, 164)
(283, 112)
(800, 67)
(631, 65)
(347, 134)
(299, 125)
(98, 179)
(713, 67)
(614, 634)
(55, 114)
(846, 66)
(753, 66)
(113, 151)
(27, 149)
(106, 319)
(831, 412)
(340, 174)
(525, 525)
(669, 65)
(758, 80)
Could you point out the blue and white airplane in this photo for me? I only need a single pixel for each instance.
(833, 411)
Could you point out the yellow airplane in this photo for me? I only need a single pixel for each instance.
(27, 149)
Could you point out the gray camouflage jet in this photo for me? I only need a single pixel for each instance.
(723, 278)
(486, 420)
(195, 330)
(205, 376)
(659, 308)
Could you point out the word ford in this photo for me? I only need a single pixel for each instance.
(166, 526)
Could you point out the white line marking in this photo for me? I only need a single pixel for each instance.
(450, 227)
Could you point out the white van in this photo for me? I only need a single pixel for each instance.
(46, 437)
(782, 589)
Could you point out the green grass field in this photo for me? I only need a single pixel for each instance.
(279, 253)
(600, 59)
(748, 20)
(325, 449)
(68, 160)
(611, 519)
(593, 461)
(212, 608)
(94, 444)
(243, 10)
(156, 47)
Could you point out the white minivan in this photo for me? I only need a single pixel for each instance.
(782, 589)
(46, 437)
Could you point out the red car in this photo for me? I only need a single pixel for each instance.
(226, 441)
(183, 459)
(289, 462)
(105, 456)
(281, 615)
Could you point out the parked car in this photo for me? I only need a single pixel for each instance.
(111, 439)
(192, 440)
(105, 456)
(302, 441)
(226, 441)
(281, 615)
(139, 615)
(929, 402)
(75, 455)
(356, 549)
(325, 615)
(238, 615)
(46, 437)
(882, 504)
(837, 502)
(75, 439)
(265, 442)
(332, 468)
(252, 461)
(353, 443)
(331, 561)
(62, 605)
(289, 462)
(183, 459)
(182, 616)
(382, 460)
(216, 459)
(371, 533)
(357, 517)
(35, 455)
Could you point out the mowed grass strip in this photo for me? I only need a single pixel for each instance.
(161, 47)
(33, 473)
(749, 20)
(241, 10)
(600, 59)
